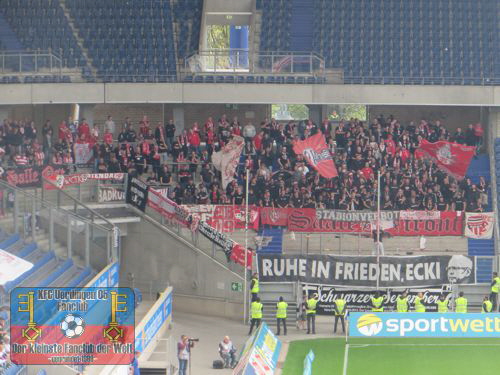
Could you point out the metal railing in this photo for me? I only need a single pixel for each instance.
(83, 232)
(30, 62)
(242, 61)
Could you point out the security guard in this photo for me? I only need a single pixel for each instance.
(419, 306)
(377, 303)
(255, 314)
(340, 310)
(461, 304)
(495, 288)
(442, 304)
(254, 286)
(487, 305)
(402, 305)
(281, 307)
(311, 313)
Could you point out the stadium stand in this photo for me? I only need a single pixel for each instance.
(127, 41)
(187, 22)
(41, 25)
(391, 41)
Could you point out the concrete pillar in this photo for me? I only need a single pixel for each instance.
(87, 112)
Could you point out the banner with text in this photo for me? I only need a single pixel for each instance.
(358, 271)
(24, 177)
(225, 218)
(424, 325)
(360, 299)
(137, 193)
(395, 223)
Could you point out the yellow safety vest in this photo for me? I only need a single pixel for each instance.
(487, 307)
(311, 306)
(402, 305)
(281, 310)
(442, 306)
(255, 288)
(495, 288)
(461, 305)
(340, 303)
(377, 303)
(256, 310)
(419, 306)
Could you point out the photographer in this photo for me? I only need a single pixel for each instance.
(183, 353)
(227, 352)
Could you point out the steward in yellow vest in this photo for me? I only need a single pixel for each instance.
(419, 306)
(461, 304)
(254, 286)
(402, 305)
(495, 289)
(281, 307)
(377, 303)
(487, 305)
(340, 310)
(255, 314)
(311, 313)
(442, 304)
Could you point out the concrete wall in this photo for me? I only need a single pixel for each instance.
(452, 117)
(157, 259)
(83, 93)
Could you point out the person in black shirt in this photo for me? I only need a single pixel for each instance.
(238, 197)
(139, 161)
(282, 200)
(442, 205)
(170, 134)
(130, 135)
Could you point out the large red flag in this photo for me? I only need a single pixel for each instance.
(451, 158)
(317, 154)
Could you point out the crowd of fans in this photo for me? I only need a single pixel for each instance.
(278, 177)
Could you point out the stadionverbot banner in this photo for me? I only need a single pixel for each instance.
(358, 300)
(423, 325)
(356, 271)
(137, 193)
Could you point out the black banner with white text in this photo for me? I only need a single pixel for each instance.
(359, 271)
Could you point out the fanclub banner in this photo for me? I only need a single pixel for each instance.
(110, 194)
(358, 271)
(337, 221)
(479, 224)
(225, 218)
(60, 181)
(24, 177)
(168, 208)
(360, 299)
(218, 238)
(137, 193)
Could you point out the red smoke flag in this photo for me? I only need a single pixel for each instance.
(451, 158)
(317, 154)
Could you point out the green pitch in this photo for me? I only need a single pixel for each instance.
(383, 356)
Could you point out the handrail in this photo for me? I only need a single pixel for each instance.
(5, 185)
(76, 201)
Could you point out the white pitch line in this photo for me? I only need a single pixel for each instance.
(368, 345)
(346, 357)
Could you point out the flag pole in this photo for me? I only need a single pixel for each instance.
(245, 286)
(377, 245)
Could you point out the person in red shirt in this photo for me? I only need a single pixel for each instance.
(194, 140)
(64, 132)
(257, 141)
(84, 129)
(390, 145)
(367, 172)
(108, 137)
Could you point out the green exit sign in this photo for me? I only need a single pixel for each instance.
(236, 287)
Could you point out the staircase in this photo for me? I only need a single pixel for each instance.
(270, 294)
(79, 40)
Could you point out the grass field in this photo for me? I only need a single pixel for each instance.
(383, 356)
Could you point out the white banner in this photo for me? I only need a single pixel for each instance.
(11, 267)
(479, 224)
(419, 215)
(83, 153)
(227, 159)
